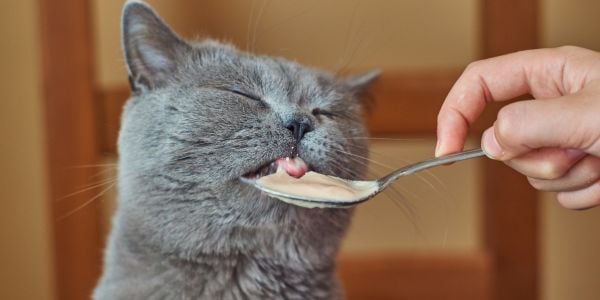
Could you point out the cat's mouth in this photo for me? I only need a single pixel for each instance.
(295, 167)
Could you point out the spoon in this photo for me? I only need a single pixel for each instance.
(361, 190)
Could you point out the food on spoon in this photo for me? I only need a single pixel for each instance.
(318, 190)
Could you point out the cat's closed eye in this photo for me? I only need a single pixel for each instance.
(245, 94)
(320, 112)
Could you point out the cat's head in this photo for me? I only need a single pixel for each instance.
(205, 114)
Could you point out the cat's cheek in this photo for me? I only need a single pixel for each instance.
(316, 159)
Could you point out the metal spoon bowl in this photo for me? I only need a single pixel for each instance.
(377, 185)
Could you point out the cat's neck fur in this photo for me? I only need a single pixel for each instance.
(285, 261)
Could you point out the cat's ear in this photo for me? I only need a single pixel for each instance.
(151, 49)
(358, 84)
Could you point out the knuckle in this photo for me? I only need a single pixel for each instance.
(472, 67)
(590, 171)
(566, 49)
(551, 171)
(507, 124)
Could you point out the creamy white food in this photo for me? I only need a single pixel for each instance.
(317, 187)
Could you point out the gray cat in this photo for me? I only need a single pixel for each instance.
(201, 116)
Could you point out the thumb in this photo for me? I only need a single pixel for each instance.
(565, 122)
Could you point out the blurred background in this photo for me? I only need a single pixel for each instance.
(473, 230)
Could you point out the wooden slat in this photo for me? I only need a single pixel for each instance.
(509, 25)
(71, 141)
(511, 231)
(510, 204)
(109, 116)
(416, 276)
(407, 103)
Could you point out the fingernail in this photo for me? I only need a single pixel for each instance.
(437, 148)
(490, 145)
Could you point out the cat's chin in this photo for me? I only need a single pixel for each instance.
(295, 167)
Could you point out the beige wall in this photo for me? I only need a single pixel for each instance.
(330, 34)
(355, 34)
(25, 257)
(571, 22)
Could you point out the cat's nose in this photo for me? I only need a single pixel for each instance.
(299, 128)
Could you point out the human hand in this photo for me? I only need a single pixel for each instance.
(553, 140)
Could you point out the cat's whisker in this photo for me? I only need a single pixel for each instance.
(406, 207)
(371, 151)
(393, 195)
(257, 23)
(349, 35)
(372, 171)
(370, 36)
(86, 203)
(438, 180)
(87, 188)
(426, 181)
(249, 25)
(441, 195)
(383, 44)
(356, 160)
(419, 176)
(278, 24)
(105, 168)
(445, 203)
(102, 173)
(359, 45)
(93, 166)
(364, 158)
(383, 139)
(342, 169)
(427, 172)
(435, 189)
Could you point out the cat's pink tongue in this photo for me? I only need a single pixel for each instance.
(295, 167)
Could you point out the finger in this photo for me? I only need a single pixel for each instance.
(546, 163)
(543, 73)
(496, 79)
(581, 175)
(565, 122)
(581, 199)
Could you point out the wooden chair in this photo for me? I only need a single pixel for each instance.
(506, 268)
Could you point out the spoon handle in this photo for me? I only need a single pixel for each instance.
(434, 162)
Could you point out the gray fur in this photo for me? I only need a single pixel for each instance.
(186, 227)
